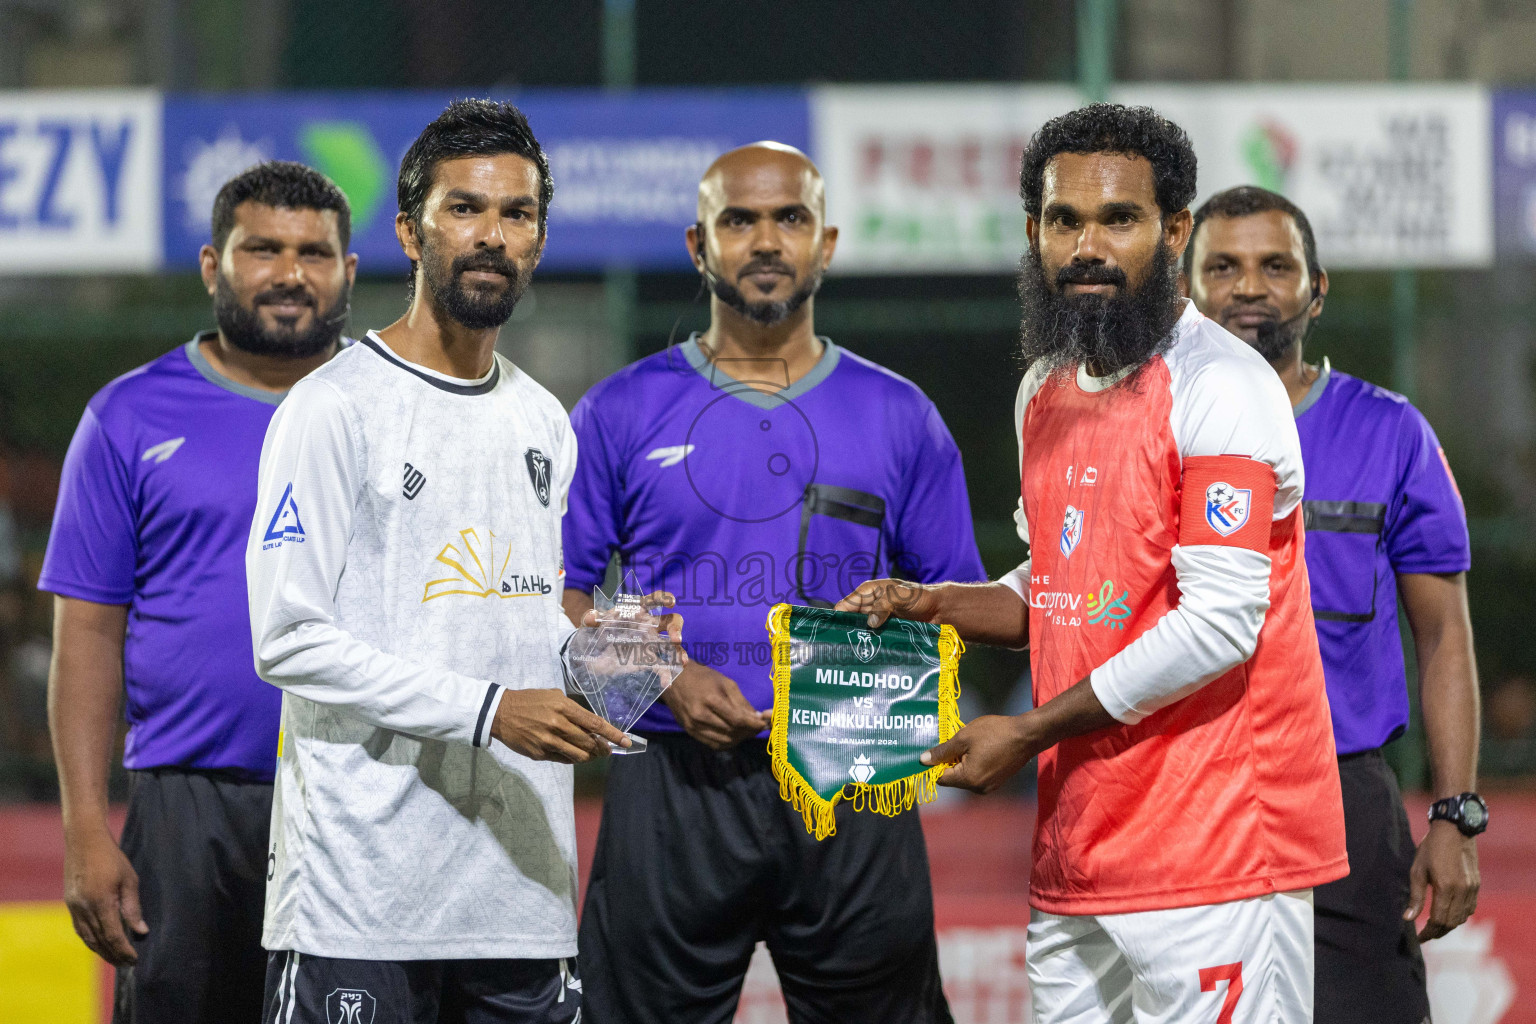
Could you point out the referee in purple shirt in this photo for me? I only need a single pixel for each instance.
(147, 562)
(1383, 518)
(753, 464)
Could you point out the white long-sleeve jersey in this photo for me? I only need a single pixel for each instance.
(404, 568)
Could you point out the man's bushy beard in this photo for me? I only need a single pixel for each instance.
(476, 308)
(765, 313)
(1107, 333)
(242, 326)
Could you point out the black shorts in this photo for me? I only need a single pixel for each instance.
(1368, 967)
(198, 840)
(304, 989)
(698, 859)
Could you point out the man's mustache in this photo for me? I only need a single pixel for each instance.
(283, 296)
(1089, 273)
(760, 266)
(1241, 308)
(489, 261)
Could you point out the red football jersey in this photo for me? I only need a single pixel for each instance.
(1166, 543)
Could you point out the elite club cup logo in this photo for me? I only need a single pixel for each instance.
(1226, 507)
(862, 771)
(1071, 530)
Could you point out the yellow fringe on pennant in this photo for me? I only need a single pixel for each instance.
(888, 798)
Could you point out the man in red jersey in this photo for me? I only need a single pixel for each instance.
(1189, 800)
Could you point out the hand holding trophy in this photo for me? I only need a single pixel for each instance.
(622, 663)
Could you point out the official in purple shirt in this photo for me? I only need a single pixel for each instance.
(754, 464)
(1383, 517)
(147, 562)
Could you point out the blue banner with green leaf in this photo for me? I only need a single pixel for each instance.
(626, 165)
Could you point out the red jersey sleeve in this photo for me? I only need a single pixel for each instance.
(1227, 500)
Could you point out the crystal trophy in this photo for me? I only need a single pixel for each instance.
(621, 665)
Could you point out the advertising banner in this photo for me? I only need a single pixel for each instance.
(1514, 173)
(926, 179)
(921, 179)
(79, 182)
(626, 167)
(1389, 175)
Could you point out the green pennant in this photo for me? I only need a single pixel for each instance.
(853, 707)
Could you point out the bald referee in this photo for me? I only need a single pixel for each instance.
(753, 464)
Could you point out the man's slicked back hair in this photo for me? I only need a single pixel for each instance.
(470, 128)
(1114, 128)
(285, 185)
(1246, 201)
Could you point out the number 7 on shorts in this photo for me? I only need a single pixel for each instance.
(1232, 974)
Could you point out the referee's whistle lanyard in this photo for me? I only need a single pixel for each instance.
(844, 503)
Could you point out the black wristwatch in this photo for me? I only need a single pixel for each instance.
(1467, 812)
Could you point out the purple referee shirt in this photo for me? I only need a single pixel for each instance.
(154, 512)
(1380, 500)
(735, 500)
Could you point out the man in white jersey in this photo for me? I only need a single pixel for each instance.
(405, 583)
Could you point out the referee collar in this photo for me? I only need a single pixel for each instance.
(831, 355)
(200, 363)
(1315, 392)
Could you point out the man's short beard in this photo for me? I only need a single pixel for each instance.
(475, 308)
(242, 326)
(765, 313)
(1274, 338)
(1109, 333)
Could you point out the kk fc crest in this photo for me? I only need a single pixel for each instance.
(350, 1006)
(1226, 507)
(538, 472)
(1071, 530)
(865, 644)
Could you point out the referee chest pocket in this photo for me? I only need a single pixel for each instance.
(1343, 558)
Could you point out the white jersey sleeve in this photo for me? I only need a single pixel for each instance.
(313, 467)
(564, 473)
(1226, 401)
(1017, 579)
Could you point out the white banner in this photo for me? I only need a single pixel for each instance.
(1389, 176)
(924, 179)
(79, 182)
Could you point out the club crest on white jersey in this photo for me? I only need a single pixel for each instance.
(538, 472)
(1226, 507)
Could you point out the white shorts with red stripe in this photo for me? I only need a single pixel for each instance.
(1244, 962)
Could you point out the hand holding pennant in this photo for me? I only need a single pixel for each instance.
(855, 707)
